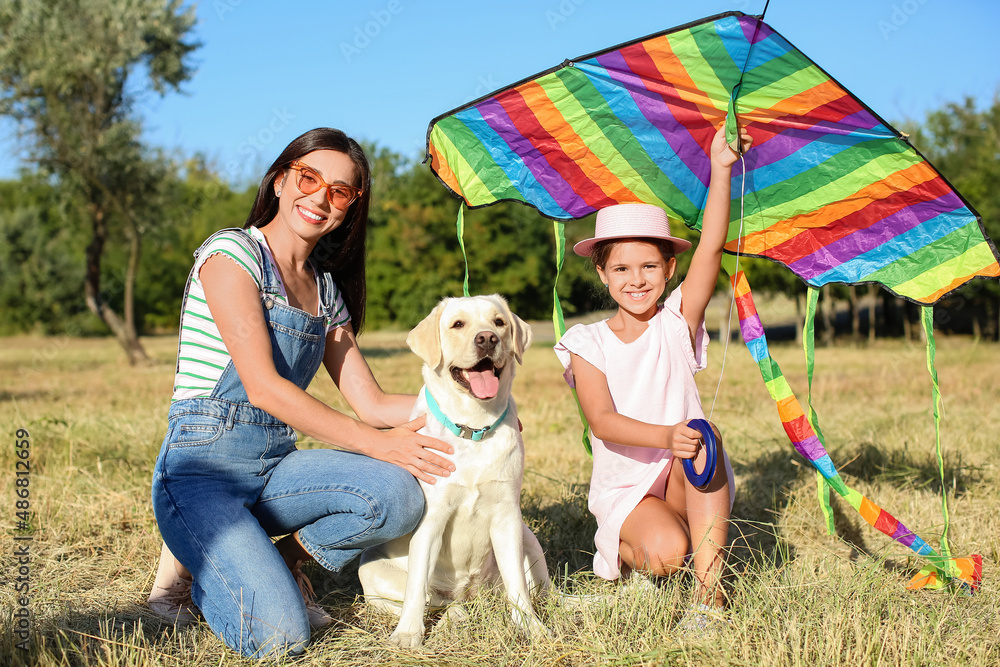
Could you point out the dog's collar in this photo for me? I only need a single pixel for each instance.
(461, 430)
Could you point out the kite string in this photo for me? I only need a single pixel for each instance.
(743, 192)
(732, 300)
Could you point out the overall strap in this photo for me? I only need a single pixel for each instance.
(270, 281)
(254, 248)
(327, 287)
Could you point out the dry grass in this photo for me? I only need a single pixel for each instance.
(799, 596)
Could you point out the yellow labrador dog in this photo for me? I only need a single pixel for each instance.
(472, 531)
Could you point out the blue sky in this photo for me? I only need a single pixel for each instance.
(382, 69)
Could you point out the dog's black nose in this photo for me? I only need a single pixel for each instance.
(486, 340)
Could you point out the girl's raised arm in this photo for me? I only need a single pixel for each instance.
(699, 284)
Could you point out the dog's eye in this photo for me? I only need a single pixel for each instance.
(499, 322)
(458, 324)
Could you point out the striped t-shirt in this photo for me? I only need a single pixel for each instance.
(202, 355)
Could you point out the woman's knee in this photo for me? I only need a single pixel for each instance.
(266, 623)
(401, 502)
(288, 639)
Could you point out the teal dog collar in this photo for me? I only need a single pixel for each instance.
(460, 430)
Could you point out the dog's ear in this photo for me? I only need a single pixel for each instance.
(425, 338)
(522, 336)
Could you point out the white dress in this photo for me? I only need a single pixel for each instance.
(650, 379)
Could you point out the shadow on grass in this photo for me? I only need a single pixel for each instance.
(92, 638)
(25, 395)
(131, 635)
(768, 480)
(765, 483)
(857, 534)
(565, 528)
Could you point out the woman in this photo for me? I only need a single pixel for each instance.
(262, 308)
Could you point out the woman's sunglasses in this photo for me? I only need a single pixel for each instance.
(308, 181)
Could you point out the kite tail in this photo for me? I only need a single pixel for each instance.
(967, 570)
(460, 230)
(559, 323)
(805, 441)
(808, 340)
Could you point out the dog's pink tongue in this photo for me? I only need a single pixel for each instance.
(484, 384)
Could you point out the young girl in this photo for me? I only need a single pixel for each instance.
(634, 375)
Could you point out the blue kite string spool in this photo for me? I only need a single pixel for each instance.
(701, 480)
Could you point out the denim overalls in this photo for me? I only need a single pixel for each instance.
(228, 477)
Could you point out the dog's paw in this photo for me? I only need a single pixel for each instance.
(406, 639)
(453, 615)
(580, 602)
(530, 625)
(537, 630)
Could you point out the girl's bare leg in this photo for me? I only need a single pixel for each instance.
(707, 514)
(658, 534)
(653, 538)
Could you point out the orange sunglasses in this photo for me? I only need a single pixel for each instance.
(308, 181)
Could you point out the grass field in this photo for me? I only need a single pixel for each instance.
(798, 596)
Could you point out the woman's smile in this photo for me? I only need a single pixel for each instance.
(309, 215)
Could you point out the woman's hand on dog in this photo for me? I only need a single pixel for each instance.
(408, 449)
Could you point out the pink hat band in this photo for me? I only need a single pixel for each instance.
(623, 221)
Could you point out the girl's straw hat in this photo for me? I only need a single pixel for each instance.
(623, 221)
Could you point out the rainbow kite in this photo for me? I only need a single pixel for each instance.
(838, 194)
(829, 189)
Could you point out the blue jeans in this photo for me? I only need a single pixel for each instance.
(229, 478)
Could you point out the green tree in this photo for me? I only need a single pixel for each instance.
(414, 257)
(41, 271)
(963, 142)
(197, 204)
(72, 73)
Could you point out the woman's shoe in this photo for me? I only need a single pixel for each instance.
(170, 598)
(318, 618)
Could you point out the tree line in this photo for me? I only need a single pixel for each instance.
(97, 233)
